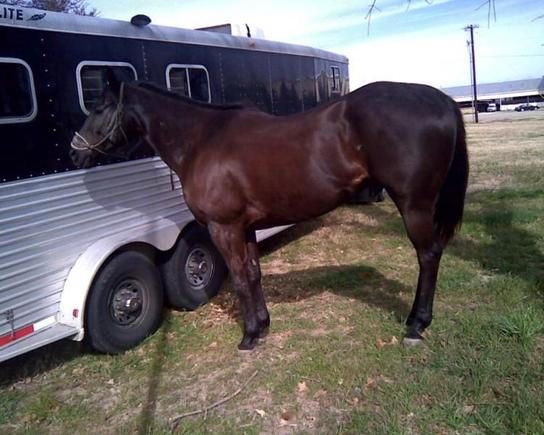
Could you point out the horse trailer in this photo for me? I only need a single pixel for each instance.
(109, 242)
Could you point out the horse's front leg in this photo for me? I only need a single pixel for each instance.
(254, 274)
(230, 240)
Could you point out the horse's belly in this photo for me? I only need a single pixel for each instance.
(305, 202)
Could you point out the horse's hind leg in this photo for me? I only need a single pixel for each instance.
(418, 220)
(245, 272)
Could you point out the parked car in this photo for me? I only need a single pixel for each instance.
(524, 107)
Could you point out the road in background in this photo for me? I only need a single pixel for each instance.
(505, 115)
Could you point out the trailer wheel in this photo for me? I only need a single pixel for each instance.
(194, 271)
(125, 303)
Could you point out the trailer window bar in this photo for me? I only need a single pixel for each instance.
(17, 91)
(189, 80)
(335, 78)
(90, 84)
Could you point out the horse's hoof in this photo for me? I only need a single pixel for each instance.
(262, 334)
(412, 342)
(248, 344)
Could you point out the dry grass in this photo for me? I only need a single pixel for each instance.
(500, 150)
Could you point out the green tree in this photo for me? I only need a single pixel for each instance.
(78, 7)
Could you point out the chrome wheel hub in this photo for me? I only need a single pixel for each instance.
(199, 267)
(126, 304)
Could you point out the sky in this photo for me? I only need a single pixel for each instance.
(418, 41)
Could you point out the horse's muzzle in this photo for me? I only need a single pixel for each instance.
(80, 152)
(79, 143)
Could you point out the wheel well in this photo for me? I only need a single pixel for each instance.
(148, 250)
(162, 256)
(155, 255)
(189, 227)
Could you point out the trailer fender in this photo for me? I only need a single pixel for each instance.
(161, 235)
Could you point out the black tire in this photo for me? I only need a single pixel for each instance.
(125, 303)
(194, 270)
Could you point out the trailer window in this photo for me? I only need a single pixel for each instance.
(17, 95)
(335, 79)
(178, 81)
(200, 88)
(189, 80)
(92, 80)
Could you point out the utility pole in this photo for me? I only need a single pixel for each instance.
(471, 28)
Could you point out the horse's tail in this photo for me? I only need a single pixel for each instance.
(451, 200)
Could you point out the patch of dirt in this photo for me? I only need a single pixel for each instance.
(276, 266)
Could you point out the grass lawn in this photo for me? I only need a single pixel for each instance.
(339, 288)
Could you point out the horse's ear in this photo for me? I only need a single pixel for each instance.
(113, 84)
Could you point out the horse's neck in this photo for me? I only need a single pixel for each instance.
(172, 128)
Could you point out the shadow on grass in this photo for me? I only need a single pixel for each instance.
(507, 247)
(39, 361)
(359, 282)
(147, 416)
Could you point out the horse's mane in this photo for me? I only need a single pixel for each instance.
(164, 92)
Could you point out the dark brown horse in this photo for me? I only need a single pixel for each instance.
(243, 170)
